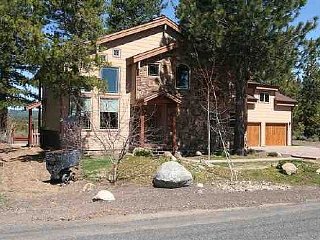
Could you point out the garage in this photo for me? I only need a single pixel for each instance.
(276, 134)
(253, 134)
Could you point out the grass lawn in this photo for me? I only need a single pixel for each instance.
(140, 170)
(92, 168)
(306, 175)
(2, 199)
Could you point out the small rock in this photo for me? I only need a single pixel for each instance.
(173, 158)
(198, 153)
(172, 175)
(210, 165)
(289, 168)
(103, 195)
(200, 185)
(318, 171)
(201, 167)
(178, 155)
(167, 154)
(88, 187)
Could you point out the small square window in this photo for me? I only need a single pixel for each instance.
(103, 58)
(153, 69)
(264, 97)
(116, 53)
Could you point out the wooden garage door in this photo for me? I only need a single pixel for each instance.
(253, 134)
(276, 134)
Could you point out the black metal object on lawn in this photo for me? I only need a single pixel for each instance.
(60, 162)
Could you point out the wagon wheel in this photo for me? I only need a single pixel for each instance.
(66, 176)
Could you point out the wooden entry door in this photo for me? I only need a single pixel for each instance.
(276, 134)
(253, 134)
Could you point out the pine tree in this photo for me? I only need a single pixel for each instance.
(71, 33)
(69, 55)
(252, 40)
(20, 39)
(309, 101)
(123, 14)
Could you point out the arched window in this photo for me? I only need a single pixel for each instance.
(183, 77)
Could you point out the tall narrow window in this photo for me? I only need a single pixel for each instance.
(183, 77)
(109, 113)
(111, 76)
(85, 113)
(82, 108)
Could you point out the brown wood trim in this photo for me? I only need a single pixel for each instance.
(33, 105)
(155, 23)
(151, 53)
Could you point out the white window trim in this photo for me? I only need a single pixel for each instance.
(264, 98)
(119, 80)
(175, 82)
(105, 56)
(109, 129)
(159, 67)
(91, 114)
(114, 55)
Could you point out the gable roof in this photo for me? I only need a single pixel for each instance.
(151, 53)
(163, 20)
(263, 85)
(280, 98)
(160, 94)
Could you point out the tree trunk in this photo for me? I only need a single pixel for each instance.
(3, 119)
(240, 114)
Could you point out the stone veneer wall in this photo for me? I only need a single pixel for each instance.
(191, 117)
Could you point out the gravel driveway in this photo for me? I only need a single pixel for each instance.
(311, 152)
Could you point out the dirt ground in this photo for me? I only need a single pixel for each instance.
(31, 198)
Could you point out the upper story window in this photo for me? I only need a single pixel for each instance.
(103, 58)
(111, 76)
(183, 77)
(116, 53)
(153, 69)
(109, 113)
(265, 97)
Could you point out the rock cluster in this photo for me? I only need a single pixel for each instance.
(248, 186)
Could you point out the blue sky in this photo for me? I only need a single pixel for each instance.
(308, 12)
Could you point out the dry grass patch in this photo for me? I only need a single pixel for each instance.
(306, 175)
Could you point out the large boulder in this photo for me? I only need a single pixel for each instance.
(103, 195)
(289, 168)
(172, 175)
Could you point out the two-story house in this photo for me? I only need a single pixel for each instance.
(147, 73)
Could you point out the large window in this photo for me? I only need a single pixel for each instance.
(109, 113)
(82, 108)
(183, 77)
(111, 76)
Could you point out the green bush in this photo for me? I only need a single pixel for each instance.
(272, 154)
(142, 152)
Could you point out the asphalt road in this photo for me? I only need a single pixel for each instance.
(268, 222)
